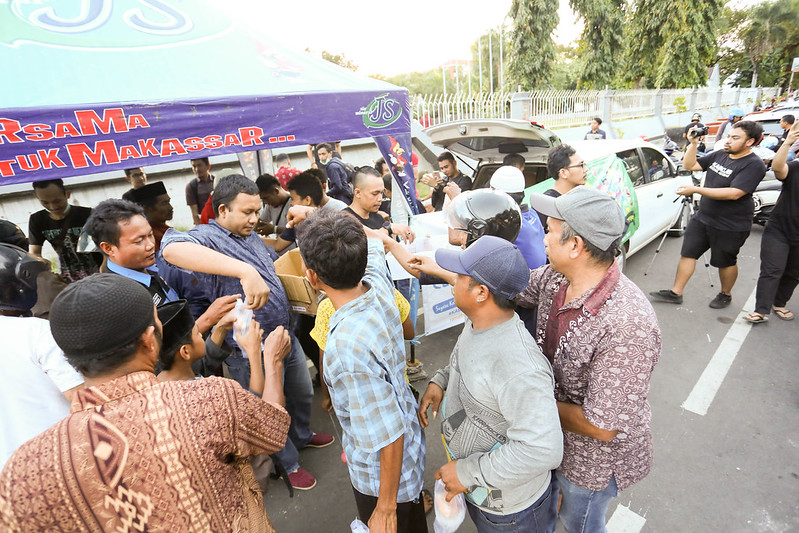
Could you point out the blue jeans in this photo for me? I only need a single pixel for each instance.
(540, 517)
(584, 510)
(298, 391)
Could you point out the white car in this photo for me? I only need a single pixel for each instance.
(652, 172)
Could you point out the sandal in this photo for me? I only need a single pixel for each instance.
(756, 318)
(783, 313)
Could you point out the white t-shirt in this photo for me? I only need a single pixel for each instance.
(33, 375)
(334, 204)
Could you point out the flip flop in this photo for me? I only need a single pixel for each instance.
(783, 314)
(756, 318)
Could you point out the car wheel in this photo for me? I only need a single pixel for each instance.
(621, 258)
(678, 229)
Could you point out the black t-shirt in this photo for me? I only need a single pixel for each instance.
(723, 171)
(463, 181)
(786, 213)
(63, 235)
(374, 221)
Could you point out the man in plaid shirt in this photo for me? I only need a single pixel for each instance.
(364, 368)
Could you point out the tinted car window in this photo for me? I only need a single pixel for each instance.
(633, 164)
(657, 166)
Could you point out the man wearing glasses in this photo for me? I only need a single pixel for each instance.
(568, 170)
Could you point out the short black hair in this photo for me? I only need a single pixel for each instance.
(446, 156)
(600, 256)
(514, 160)
(98, 366)
(306, 184)
(361, 173)
(267, 182)
(103, 223)
(380, 165)
(229, 188)
(319, 174)
(387, 181)
(129, 170)
(46, 183)
(279, 158)
(753, 130)
(501, 302)
(558, 158)
(326, 146)
(166, 360)
(790, 119)
(598, 120)
(203, 159)
(333, 244)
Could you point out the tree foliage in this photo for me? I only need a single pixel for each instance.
(758, 43)
(533, 50)
(601, 42)
(339, 59)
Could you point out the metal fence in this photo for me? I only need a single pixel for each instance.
(564, 109)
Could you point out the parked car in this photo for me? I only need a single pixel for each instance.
(652, 172)
(769, 119)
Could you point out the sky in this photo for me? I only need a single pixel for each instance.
(384, 37)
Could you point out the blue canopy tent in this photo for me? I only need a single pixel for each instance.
(104, 85)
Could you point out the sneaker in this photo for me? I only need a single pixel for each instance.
(320, 440)
(720, 301)
(666, 295)
(301, 479)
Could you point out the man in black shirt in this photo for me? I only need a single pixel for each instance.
(137, 179)
(449, 168)
(779, 247)
(367, 196)
(60, 224)
(724, 219)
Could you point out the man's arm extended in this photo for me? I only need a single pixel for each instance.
(198, 258)
(780, 162)
(689, 159)
(573, 419)
(384, 517)
(722, 193)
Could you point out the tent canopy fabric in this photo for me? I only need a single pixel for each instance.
(105, 85)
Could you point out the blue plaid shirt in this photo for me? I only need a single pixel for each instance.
(251, 250)
(364, 367)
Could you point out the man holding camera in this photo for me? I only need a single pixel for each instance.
(724, 219)
(449, 173)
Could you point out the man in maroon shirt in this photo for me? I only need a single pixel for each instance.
(602, 337)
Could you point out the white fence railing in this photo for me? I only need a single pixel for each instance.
(563, 109)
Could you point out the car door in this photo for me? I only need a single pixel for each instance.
(632, 162)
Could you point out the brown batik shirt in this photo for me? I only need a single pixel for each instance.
(603, 347)
(136, 454)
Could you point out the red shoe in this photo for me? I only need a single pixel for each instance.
(301, 479)
(320, 440)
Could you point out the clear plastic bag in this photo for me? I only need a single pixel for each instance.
(358, 527)
(449, 515)
(243, 318)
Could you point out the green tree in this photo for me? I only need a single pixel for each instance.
(340, 60)
(532, 50)
(428, 82)
(566, 69)
(643, 38)
(601, 41)
(486, 53)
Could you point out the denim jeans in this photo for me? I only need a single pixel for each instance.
(584, 510)
(540, 517)
(298, 391)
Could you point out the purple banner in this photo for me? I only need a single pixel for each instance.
(59, 142)
(397, 150)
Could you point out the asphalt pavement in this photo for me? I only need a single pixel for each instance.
(734, 468)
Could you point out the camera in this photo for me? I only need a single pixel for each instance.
(698, 132)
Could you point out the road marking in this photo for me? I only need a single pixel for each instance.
(716, 370)
(625, 521)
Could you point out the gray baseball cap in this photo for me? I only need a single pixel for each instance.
(493, 262)
(593, 214)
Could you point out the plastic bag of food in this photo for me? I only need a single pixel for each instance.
(449, 515)
(243, 318)
(358, 527)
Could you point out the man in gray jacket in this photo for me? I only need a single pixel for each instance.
(500, 422)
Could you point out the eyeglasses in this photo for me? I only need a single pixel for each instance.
(580, 165)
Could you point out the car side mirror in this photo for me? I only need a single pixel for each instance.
(684, 172)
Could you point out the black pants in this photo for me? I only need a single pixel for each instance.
(303, 324)
(410, 515)
(779, 269)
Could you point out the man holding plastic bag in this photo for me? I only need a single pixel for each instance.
(500, 423)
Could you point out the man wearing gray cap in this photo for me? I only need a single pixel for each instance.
(603, 339)
(500, 423)
(136, 453)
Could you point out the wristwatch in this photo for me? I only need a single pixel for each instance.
(387, 226)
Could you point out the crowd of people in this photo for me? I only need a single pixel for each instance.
(160, 378)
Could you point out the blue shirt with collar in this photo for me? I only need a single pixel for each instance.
(143, 278)
(250, 249)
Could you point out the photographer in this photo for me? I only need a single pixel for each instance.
(724, 219)
(696, 122)
(448, 173)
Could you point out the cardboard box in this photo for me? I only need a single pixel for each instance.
(302, 297)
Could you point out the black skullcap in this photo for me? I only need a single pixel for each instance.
(10, 233)
(148, 192)
(177, 322)
(96, 316)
